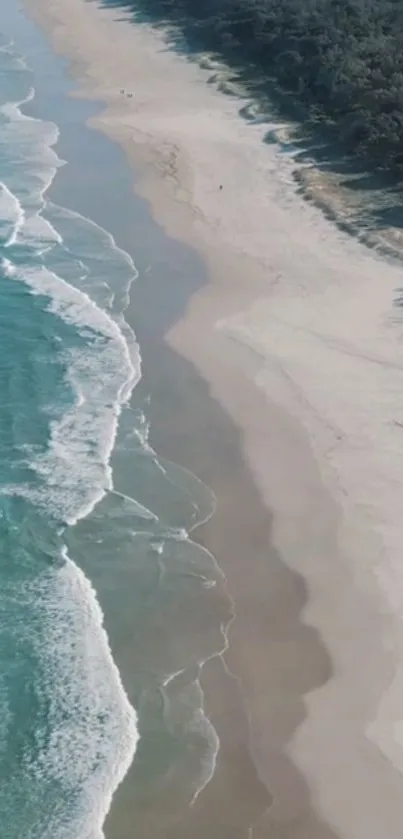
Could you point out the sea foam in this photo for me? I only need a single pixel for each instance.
(82, 684)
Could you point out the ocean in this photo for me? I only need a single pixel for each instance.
(94, 526)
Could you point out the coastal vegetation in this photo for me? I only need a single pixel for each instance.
(341, 61)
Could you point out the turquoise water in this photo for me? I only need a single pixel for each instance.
(75, 533)
(67, 366)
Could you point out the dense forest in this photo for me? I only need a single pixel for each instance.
(341, 60)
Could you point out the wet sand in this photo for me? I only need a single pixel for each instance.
(274, 656)
(276, 384)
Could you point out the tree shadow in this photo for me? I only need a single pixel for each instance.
(197, 34)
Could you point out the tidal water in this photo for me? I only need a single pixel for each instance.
(94, 527)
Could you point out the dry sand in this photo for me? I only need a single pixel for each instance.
(298, 335)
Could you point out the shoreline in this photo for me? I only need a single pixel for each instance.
(308, 522)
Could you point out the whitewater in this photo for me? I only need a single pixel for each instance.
(88, 734)
(68, 433)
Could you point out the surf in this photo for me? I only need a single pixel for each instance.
(84, 732)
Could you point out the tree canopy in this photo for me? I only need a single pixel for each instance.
(341, 59)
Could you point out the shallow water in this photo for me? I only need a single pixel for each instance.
(79, 531)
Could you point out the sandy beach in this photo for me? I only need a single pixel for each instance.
(296, 338)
